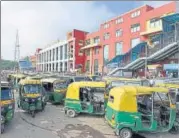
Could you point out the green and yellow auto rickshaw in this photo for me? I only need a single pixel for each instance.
(56, 89)
(15, 79)
(116, 82)
(32, 96)
(140, 109)
(174, 88)
(7, 104)
(85, 97)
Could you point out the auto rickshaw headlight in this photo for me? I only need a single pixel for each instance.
(26, 100)
(39, 99)
(10, 106)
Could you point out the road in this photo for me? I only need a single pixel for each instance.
(52, 123)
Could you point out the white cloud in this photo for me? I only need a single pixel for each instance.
(40, 23)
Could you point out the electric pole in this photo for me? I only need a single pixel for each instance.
(17, 50)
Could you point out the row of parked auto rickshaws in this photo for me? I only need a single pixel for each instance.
(129, 105)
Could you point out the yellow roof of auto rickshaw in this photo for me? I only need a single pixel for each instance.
(18, 75)
(29, 81)
(169, 85)
(108, 80)
(125, 96)
(73, 89)
(49, 80)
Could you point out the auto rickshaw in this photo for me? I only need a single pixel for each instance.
(175, 89)
(15, 78)
(85, 97)
(94, 77)
(140, 108)
(56, 89)
(116, 82)
(7, 104)
(32, 96)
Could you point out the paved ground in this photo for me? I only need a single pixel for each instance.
(52, 123)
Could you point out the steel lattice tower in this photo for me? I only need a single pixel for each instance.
(17, 49)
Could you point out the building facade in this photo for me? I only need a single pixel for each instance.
(118, 35)
(62, 56)
(92, 51)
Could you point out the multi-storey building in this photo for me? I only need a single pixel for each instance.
(118, 35)
(62, 56)
(92, 51)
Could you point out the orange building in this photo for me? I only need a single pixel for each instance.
(118, 35)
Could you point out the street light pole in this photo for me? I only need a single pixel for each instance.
(146, 51)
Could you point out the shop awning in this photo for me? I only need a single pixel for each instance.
(173, 67)
(154, 66)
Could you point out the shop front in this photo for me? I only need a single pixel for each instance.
(171, 70)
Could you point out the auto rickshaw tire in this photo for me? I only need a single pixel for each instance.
(174, 129)
(125, 133)
(33, 114)
(2, 128)
(71, 113)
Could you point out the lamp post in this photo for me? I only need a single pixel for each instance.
(146, 51)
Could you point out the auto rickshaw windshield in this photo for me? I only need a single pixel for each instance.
(31, 88)
(6, 94)
(60, 85)
(79, 78)
(121, 83)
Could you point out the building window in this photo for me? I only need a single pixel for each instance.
(57, 53)
(87, 52)
(80, 43)
(105, 54)
(66, 51)
(106, 36)
(155, 22)
(119, 20)
(96, 40)
(135, 27)
(61, 66)
(118, 32)
(88, 65)
(80, 53)
(134, 42)
(119, 48)
(53, 54)
(65, 66)
(56, 66)
(135, 14)
(106, 26)
(87, 42)
(61, 52)
(50, 54)
(96, 50)
(96, 65)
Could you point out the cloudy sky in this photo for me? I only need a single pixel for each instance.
(40, 23)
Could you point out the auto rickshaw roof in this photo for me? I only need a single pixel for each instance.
(125, 96)
(29, 81)
(49, 80)
(5, 84)
(18, 75)
(73, 88)
(169, 85)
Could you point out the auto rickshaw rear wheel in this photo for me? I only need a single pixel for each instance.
(174, 129)
(125, 133)
(2, 128)
(71, 113)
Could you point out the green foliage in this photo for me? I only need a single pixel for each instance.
(7, 64)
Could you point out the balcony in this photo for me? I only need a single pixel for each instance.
(91, 45)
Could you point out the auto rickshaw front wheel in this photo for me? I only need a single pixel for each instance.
(33, 113)
(71, 113)
(125, 133)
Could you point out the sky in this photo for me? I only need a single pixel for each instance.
(39, 23)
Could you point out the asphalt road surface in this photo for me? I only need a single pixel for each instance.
(52, 123)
